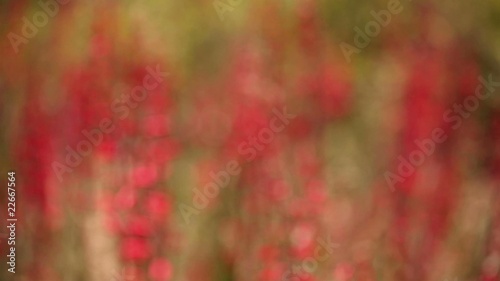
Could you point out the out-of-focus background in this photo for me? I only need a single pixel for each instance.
(250, 140)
